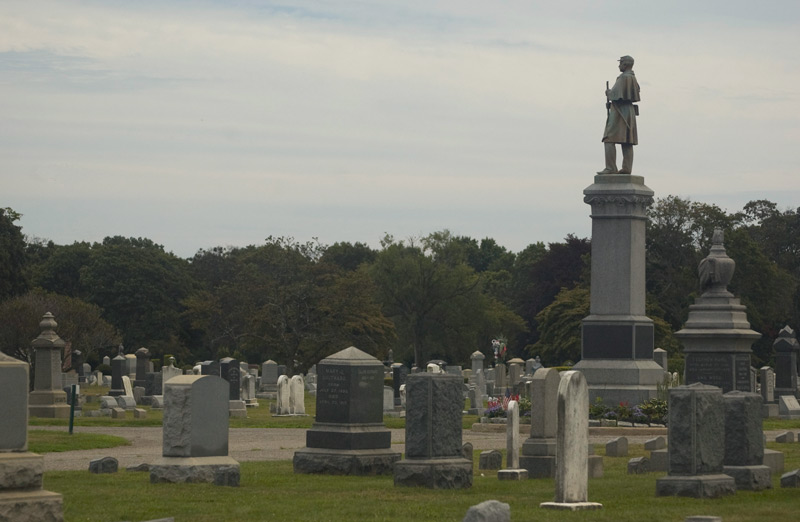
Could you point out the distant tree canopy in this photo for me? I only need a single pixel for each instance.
(437, 296)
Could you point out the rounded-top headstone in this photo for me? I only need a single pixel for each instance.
(477, 355)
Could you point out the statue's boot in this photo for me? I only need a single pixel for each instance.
(627, 159)
(611, 159)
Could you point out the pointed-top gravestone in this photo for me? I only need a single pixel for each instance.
(47, 398)
(348, 437)
(787, 352)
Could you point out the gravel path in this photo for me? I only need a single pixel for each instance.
(246, 444)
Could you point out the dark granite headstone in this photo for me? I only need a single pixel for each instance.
(348, 437)
(142, 367)
(399, 374)
(209, 368)
(153, 381)
(230, 371)
(118, 369)
(104, 465)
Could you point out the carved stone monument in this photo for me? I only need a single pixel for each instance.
(433, 434)
(47, 398)
(348, 437)
(21, 495)
(696, 444)
(195, 438)
(717, 337)
(617, 336)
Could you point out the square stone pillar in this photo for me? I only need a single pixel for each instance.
(617, 337)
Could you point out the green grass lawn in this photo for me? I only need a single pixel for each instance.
(271, 491)
(45, 441)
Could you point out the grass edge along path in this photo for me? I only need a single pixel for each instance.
(51, 441)
(271, 491)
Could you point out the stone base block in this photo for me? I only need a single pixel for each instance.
(700, 486)
(238, 414)
(769, 410)
(539, 447)
(753, 478)
(21, 470)
(539, 467)
(51, 411)
(31, 506)
(659, 460)
(595, 466)
(446, 473)
(220, 471)
(348, 436)
(512, 474)
(571, 506)
(345, 462)
(774, 459)
(615, 380)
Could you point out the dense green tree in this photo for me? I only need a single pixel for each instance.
(436, 300)
(79, 323)
(284, 302)
(140, 288)
(12, 255)
(348, 256)
(59, 269)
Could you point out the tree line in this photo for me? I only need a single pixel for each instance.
(440, 296)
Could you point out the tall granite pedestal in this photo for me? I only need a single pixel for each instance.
(48, 399)
(348, 437)
(717, 336)
(617, 336)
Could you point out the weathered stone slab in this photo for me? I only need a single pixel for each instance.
(13, 404)
(489, 511)
(572, 465)
(220, 471)
(490, 459)
(467, 450)
(104, 465)
(195, 417)
(638, 465)
(791, 479)
(655, 443)
(617, 447)
(785, 437)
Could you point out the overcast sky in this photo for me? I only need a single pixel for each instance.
(214, 123)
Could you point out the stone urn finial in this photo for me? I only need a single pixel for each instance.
(716, 270)
(48, 337)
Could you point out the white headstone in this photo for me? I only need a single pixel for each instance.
(297, 403)
(126, 384)
(572, 464)
(512, 435)
(284, 404)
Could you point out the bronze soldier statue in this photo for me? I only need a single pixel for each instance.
(621, 119)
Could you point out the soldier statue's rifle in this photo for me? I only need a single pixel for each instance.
(608, 102)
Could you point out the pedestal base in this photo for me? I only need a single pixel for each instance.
(220, 471)
(21, 470)
(774, 460)
(447, 473)
(753, 478)
(571, 506)
(50, 404)
(512, 474)
(31, 506)
(615, 380)
(699, 486)
(237, 409)
(345, 462)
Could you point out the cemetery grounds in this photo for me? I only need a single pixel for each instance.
(270, 490)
